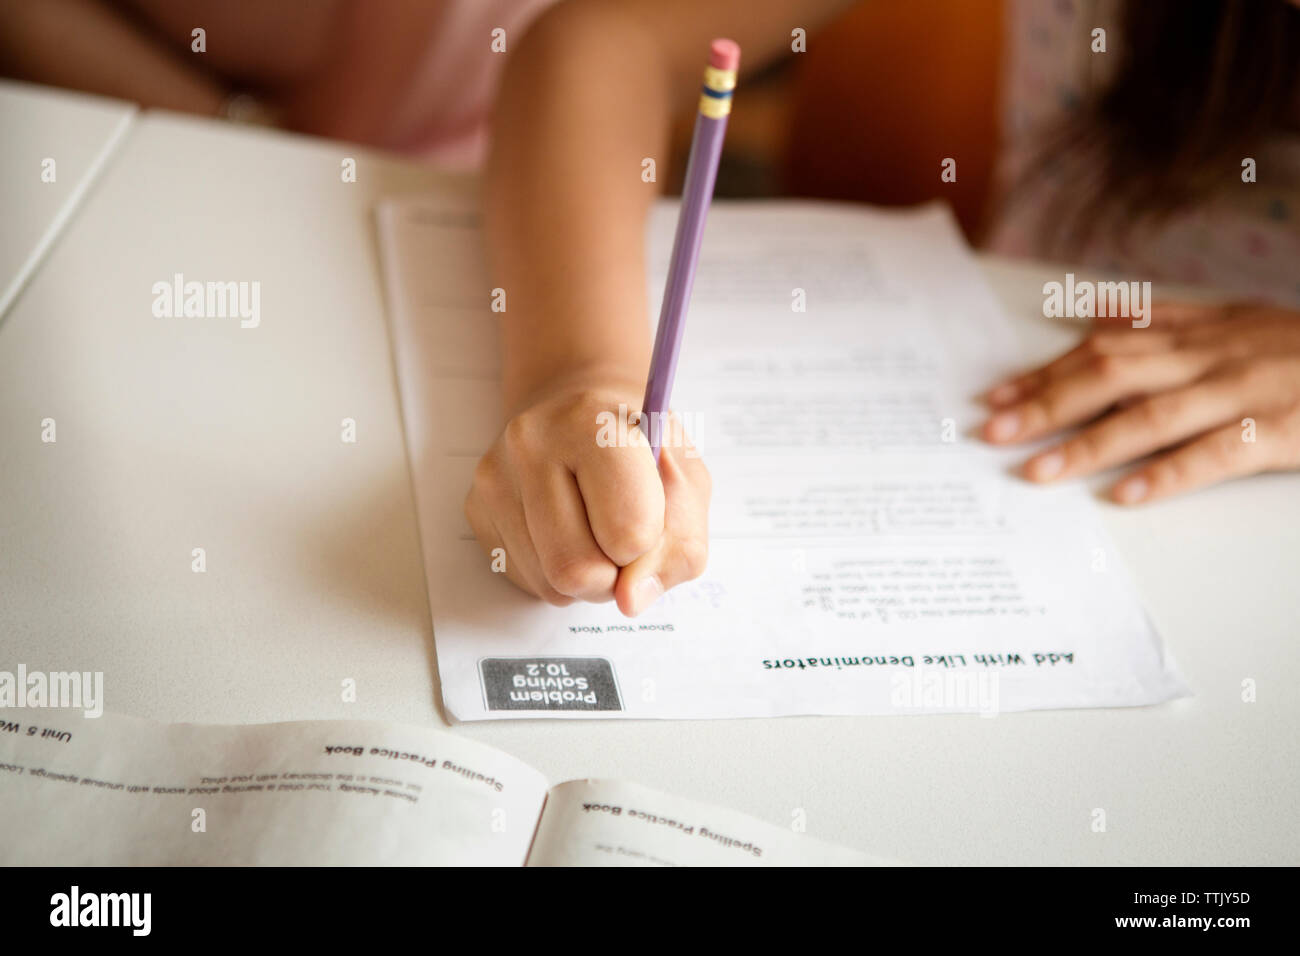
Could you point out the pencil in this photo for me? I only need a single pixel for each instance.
(701, 172)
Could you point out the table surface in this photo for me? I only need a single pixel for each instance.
(175, 434)
(55, 144)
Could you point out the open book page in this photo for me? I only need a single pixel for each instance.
(868, 555)
(121, 791)
(610, 823)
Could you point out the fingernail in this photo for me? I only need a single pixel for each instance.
(1131, 492)
(1006, 392)
(1004, 426)
(1046, 466)
(648, 590)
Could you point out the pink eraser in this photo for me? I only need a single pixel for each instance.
(724, 54)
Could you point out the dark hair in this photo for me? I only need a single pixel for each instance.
(1199, 85)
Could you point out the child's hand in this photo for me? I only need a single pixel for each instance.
(1220, 382)
(582, 521)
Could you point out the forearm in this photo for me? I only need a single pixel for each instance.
(588, 95)
(584, 101)
(88, 45)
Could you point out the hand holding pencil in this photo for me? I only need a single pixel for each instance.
(577, 518)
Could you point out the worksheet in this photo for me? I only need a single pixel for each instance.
(114, 790)
(868, 555)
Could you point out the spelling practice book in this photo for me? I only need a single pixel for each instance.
(116, 790)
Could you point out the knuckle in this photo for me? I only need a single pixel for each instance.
(1107, 367)
(633, 535)
(587, 398)
(1050, 405)
(1086, 447)
(1263, 376)
(688, 473)
(555, 598)
(695, 556)
(1222, 450)
(1250, 376)
(1157, 414)
(573, 576)
(486, 472)
(1175, 471)
(517, 437)
(584, 405)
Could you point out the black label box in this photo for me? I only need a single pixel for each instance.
(549, 683)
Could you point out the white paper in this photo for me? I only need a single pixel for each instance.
(868, 555)
(610, 823)
(118, 791)
(123, 792)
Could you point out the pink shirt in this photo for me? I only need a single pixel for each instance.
(451, 94)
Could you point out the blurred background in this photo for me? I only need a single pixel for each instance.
(1125, 157)
(921, 76)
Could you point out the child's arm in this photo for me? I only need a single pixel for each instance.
(588, 95)
(90, 45)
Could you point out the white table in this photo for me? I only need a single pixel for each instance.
(55, 144)
(182, 433)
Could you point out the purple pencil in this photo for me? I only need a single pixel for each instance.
(701, 171)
